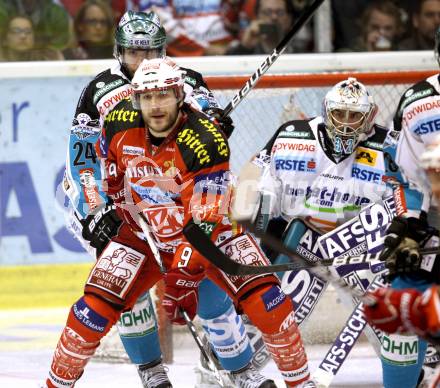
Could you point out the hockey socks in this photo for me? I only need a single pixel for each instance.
(272, 312)
(224, 328)
(139, 333)
(89, 320)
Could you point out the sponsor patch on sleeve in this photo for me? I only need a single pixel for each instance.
(273, 297)
(88, 317)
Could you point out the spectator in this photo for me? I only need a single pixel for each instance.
(381, 26)
(50, 21)
(93, 27)
(193, 28)
(273, 19)
(118, 7)
(18, 42)
(425, 21)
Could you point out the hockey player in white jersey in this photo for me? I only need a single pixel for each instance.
(327, 169)
(417, 122)
(140, 35)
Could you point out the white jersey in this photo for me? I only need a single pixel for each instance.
(418, 120)
(303, 179)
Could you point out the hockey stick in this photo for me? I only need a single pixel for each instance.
(269, 61)
(199, 240)
(344, 342)
(146, 232)
(194, 235)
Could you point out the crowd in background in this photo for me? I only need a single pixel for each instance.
(83, 29)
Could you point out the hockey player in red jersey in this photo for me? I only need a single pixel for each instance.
(171, 164)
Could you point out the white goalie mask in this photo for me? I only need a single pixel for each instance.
(154, 79)
(348, 112)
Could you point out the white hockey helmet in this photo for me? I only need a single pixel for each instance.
(157, 75)
(348, 111)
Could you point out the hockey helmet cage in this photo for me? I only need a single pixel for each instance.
(348, 111)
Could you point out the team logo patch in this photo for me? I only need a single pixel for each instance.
(243, 249)
(166, 221)
(83, 126)
(116, 269)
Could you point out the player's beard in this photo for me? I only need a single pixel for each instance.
(161, 122)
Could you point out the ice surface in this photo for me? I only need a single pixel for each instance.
(27, 340)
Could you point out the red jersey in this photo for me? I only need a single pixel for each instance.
(187, 176)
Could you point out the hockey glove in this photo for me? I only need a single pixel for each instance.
(403, 311)
(99, 228)
(401, 252)
(181, 292)
(226, 123)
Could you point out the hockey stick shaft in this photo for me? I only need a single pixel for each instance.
(269, 61)
(147, 233)
(344, 342)
(193, 331)
(212, 253)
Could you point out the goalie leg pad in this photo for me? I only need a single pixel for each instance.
(272, 312)
(224, 328)
(138, 331)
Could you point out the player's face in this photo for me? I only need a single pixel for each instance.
(132, 58)
(160, 110)
(347, 118)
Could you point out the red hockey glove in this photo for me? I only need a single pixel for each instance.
(407, 310)
(181, 292)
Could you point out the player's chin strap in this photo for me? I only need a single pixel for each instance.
(201, 241)
(269, 61)
(147, 234)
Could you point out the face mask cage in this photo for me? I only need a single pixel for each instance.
(346, 128)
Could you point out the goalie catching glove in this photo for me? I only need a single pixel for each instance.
(403, 311)
(101, 227)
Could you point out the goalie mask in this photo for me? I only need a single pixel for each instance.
(140, 31)
(158, 78)
(348, 112)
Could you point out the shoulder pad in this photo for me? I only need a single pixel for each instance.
(122, 117)
(201, 143)
(104, 83)
(416, 92)
(299, 129)
(377, 141)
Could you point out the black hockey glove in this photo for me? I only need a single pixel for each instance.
(226, 123)
(401, 252)
(99, 228)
